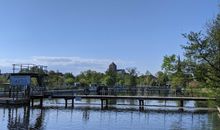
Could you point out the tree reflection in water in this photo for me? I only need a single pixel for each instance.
(86, 114)
(19, 119)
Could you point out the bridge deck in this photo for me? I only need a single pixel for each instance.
(123, 97)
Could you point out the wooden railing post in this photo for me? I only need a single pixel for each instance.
(41, 102)
(32, 102)
(102, 100)
(66, 101)
(72, 102)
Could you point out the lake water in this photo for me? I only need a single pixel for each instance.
(87, 115)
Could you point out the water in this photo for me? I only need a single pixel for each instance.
(121, 117)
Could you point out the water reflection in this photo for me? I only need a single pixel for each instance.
(85, 115)
(19, 118)
(90, 117)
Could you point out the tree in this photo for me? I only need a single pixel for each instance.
(131, 77)
(120, 79)
(111, 77)
(147, 79)
(175, 71)
(169, 63)
(203, 52)
(109, 81)
(162, 78)
(55, 79)
(69, 78)
(90, 77)
(3, 79)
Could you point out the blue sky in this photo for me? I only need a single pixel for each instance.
(76, 35)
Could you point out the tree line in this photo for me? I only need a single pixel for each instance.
(111, 79)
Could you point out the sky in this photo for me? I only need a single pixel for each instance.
(77, 35)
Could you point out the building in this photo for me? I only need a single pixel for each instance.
(112, 67)
(121, 71)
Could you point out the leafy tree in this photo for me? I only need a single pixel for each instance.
(3, 79)
(55, 79)
(109, 81)
(178, 80)
(162, 78)
(147, 79)
(83, 82)
(175, 71)
(69, 78)
(120, 79)
(111, 77)
(150, 80)
(169, 63)
(131, 77)
(90, 77)
(203, 52)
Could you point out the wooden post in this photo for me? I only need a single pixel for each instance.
(106, 103)
(16, 92)
(141, 104)
(73, 103)
(32, 102)
(66, 103)
(102, 103)
(41, 102)
(181, 103)
(10, 91)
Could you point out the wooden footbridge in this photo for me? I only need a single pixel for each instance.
(104, 99)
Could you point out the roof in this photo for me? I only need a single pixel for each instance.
(28, 74)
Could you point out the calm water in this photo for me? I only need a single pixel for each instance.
(90, 117)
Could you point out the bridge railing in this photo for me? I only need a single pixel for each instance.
(127, 92)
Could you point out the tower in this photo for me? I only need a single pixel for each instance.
(112, 67)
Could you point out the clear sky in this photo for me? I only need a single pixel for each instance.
(76, 35)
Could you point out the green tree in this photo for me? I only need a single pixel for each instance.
(176, 72)
(120, 79)
(90, 77)
(55, 79)
(169, 63)
(109, 81)
(3, 79)
(112, 78)
(162, 78)
(203, 52)
(69, 78)
(131, 77)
